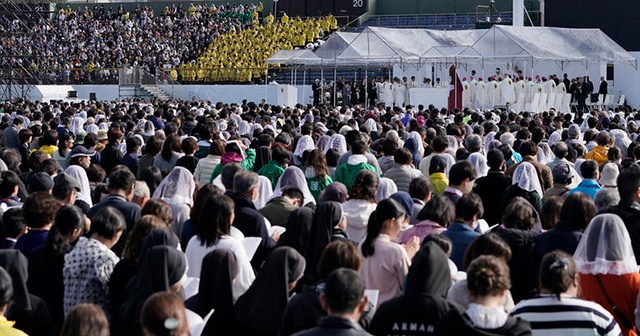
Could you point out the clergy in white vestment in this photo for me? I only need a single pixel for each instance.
(493, 92)
(473, 83)
(520, 87)
(507, 90)
(466, 93)
(530, 90)
(398, 92)
(550, 90)
(387, 93)
(481, 94)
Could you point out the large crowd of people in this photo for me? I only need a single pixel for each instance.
(88, 46)
(189, 43)
(191, 217)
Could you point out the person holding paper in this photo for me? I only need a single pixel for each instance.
(217, 234)
(386, 263)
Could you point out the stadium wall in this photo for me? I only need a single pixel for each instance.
(223, 93)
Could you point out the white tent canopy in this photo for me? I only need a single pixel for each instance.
(300, 56)
(548, 44)
(336, 43)
(391, 46)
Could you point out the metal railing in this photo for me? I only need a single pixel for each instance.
(442, 20)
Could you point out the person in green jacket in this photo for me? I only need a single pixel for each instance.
(317, 173)
(280, 157)
(346, 172)
(233, 153)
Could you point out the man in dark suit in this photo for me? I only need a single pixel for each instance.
(121, 187)
(247, 218)
(604, 86)
(566, 81)
(317, 90)
(492, 187)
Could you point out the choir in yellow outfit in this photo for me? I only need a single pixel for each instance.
(241, 56)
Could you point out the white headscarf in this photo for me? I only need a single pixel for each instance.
(243, 128)
(545, 154)
(415, 135)
(304, 144)
(293, 177)
(452, 144)
(373, 126)
(264, 192)
(337, 142)
(76, 126)
(92, 129)
(526, 177)
(479, 162)
(609, 175)
(386, 188)
(605, 248)
(81, 175)
(487, 140)
(177, 188)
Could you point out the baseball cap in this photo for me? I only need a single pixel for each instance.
(81, 151)
(405, 200)
(562, 173)
(40, 182)
(65, 182)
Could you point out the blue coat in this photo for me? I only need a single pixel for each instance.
(587, 186)
(461, 236)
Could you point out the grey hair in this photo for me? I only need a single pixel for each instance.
(141, 190)
(507, 138)
(605, 198)
(473, 143)
(245, 181)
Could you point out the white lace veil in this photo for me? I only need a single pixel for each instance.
(81, 175)
(605, 248)
(479, 162)
(305, 143)
(337, 142)
(293, 177)
(264, 192)
(526, 177)
(177, 187)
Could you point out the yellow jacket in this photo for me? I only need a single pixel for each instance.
(599, 154)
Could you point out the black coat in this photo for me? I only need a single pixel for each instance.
(28, 311)
(630, 214)
(46, 281)
(251, 223)
(422, 305)
(111, 156)
(130, 211)
(521, 265)
(458, 323)
(335, 326)
(491, 189)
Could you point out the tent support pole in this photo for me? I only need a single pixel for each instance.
(335, 87)
(322, 85)
(366, 85)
